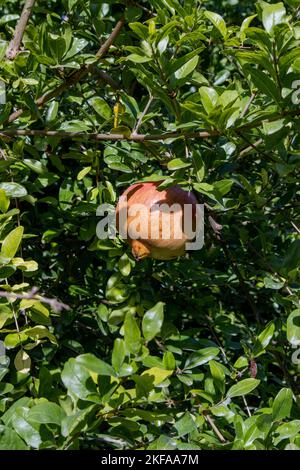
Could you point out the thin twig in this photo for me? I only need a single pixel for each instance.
(295, 227)
(254, 147)
(245, 111)
(75, 76)
(251, 147)
(137, 126)
(56, 305)
(15, 43)
(247, 407)
(215, 428)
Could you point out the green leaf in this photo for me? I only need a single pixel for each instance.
(22, 362)
(85, 171)
(10, 440)
(209, 98)
(163, 443)
(132, 334)
(201, 357)
(287, 431)
(223, 187)
(218, 375)
(77, 379)
(26, 430)
(177, 164)
(77, 45)
(199, 166)
(152, 321)
(273, 283)
(35, 165)
(138, 59)
(46, 413)
(273, 15)
(118, 354)
(101, 107)
(264, 83)
(40, 332)
(293, 327)
(94, 364)
(76, 422)
(245, 26)
(177, 64)
(263, 339)
(11, 242)
(14, 339)
(124, 265)
(187, 68)
(282, 404)
(13, 189)
(217, 21)
(4, 201)
(242, 388)
(185, 425)
(119, 167)
(169, 361)
(5, 314)
(140, 30)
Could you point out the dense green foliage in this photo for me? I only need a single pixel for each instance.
(197, 353)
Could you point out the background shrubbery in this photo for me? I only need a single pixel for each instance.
(199, 353)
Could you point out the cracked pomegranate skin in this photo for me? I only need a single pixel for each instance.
(160, 247)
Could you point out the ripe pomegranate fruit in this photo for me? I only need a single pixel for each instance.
(152, 221)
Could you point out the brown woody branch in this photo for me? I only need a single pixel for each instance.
(111, 137)
(75, 76)
(56, 305)
(204, 134)
(15, 43)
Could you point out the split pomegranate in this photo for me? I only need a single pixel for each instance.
(153, 221)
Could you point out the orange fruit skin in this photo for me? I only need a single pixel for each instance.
(157, 238)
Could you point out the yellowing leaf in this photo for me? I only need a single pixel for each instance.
(159, 375)
(12, 242)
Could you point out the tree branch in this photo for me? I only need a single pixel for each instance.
(15, 43)
(54, 303)
(111, 137)
(105, 77)
(251, 147)
(76, 76)
(204, 134)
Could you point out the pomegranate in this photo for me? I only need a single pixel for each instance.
(153, 221)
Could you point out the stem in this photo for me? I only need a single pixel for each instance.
(275, 60)
(246, 405)
(295, 227)
(15, 43)
(253, 146)
(136, 128)
(215, 428)
(248, 105)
